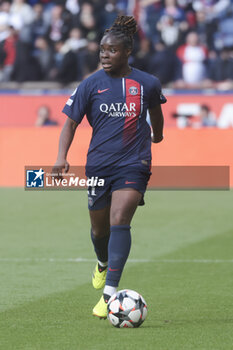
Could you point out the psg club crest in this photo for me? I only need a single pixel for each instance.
(90, 201)
(133, 90)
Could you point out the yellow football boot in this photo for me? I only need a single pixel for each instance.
(100, 310)
(99, 278)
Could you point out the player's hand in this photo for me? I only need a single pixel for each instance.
(156, 139)
(59, 168)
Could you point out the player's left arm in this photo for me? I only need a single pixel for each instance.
(157, 121)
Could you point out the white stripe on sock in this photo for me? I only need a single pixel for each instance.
(102, 264)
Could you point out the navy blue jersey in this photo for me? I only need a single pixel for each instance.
(116, 109)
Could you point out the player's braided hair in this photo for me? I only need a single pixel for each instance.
(124, 28)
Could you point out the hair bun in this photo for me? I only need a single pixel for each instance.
(124, 28)
(125, 24)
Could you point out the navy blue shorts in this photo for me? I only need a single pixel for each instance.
(100, 196)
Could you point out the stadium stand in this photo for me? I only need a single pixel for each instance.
(58, 40)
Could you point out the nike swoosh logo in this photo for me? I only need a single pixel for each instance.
(113, 269)
(130, 182)
(100, 91)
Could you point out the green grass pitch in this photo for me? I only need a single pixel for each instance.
(181, 261)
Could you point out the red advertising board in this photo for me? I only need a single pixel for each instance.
(21, 110)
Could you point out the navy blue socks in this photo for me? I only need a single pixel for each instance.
(118, 252)
(113, 249)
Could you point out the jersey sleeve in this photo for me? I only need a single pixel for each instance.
(76, 106)
(156, 96)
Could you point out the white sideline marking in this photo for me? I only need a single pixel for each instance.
(83, 260)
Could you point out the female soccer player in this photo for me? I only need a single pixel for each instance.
(115, 101)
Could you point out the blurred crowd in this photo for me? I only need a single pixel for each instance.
(187, 44)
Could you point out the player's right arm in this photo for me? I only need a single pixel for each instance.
(65, 141)
(75, 108)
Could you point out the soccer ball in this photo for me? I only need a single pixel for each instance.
(126, 309)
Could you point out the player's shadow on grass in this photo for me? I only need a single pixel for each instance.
(49, 322)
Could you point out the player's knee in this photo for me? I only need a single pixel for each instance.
(119, 218)
(99, 232)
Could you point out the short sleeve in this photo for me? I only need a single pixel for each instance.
(76, 105)
(156, 96)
